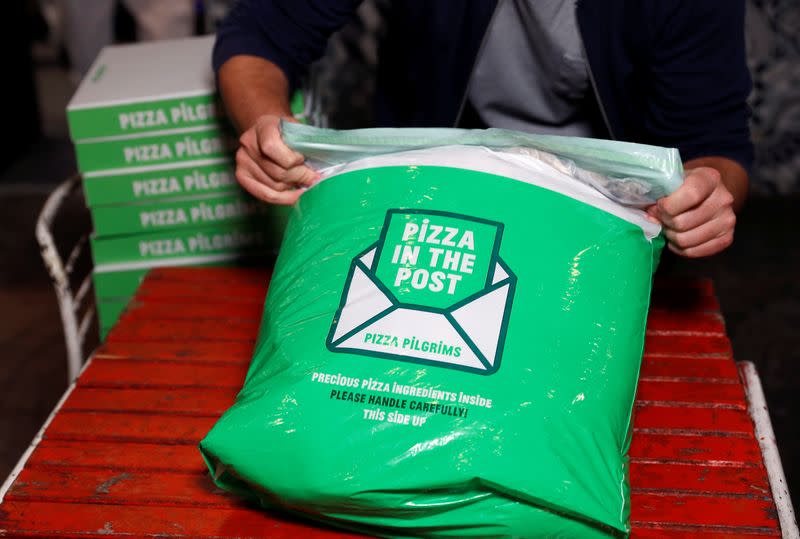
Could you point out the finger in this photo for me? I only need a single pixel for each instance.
(697, 187)
(246, 162)
(263, 162)
(271, 145)
(705, 232)
(302, 175)
(708, 248)
(721, 201)
(299, 175)
(651, 214)
(264, 192)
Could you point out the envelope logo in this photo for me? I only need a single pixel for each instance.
(432, 290)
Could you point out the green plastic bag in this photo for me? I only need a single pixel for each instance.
(452, 336)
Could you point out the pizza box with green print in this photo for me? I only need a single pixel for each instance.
(122, 283)
(177, 146)
(432, 290)
(172, 181)
(148, 88)
(216, 243)
(173, 214)
(144, 88)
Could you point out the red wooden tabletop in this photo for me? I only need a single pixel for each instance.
(120, 456)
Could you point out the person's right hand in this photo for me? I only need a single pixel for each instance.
(267, 168)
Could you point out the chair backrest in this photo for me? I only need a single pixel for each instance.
(70, 267)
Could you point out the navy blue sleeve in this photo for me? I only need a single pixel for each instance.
(699, 81)
(289, 33)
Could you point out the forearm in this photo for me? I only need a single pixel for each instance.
(734, 177)
(252, 87)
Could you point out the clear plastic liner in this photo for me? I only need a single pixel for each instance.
(627, 173)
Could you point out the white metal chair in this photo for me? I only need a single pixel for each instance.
(75, 303)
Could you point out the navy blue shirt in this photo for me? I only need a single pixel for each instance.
(666, 72)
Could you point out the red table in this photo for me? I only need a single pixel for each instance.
(119, 456)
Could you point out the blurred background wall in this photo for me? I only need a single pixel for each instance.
(773, 43)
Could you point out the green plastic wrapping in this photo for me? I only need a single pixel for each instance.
(452, 337)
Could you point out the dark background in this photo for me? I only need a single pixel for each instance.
(757, 279)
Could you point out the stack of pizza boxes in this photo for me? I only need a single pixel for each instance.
(156, 158)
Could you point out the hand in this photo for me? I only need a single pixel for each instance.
(267, 168)
(698, 218)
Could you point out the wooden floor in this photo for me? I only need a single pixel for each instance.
(120, 458)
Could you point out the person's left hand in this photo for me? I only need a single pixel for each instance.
(698, 218)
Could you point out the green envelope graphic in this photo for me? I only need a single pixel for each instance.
(432, 290)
